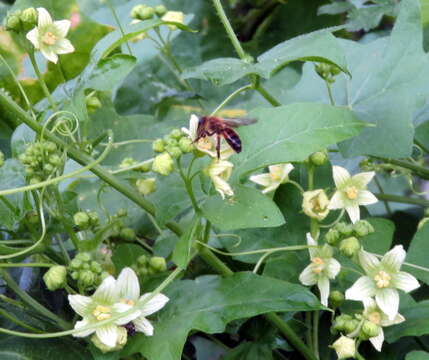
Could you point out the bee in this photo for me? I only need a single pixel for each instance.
(211, 125)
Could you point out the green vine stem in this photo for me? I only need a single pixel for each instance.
(230, 97)
(13, 265)
(118, 22)
(418, 170)
(402, 199)
(18, 322)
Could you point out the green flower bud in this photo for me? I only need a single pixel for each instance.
(48, 168)
(176, 134)
(146, 13)
(351, 325)
(127, 162)
(76, 263)
(344, 229)
(350, 246)
(146, 167)
(186, 145)
(32, 217)
(340, 322)
(13, 23)
(332, 237)
(160, 10)
(93, 218)
(146, 186)
(369, 329)
(55, 160)
(75, 275)
(87, 278)
(29, 16)
(83, 256)
(35, 180)
(122, 213)
(158, 145)
(142, 260)
(336, 298)
(81, 219)
(55, 278)
(319, 158)
(128, 234)
(1, 159)
(50, 146)
(158, 264)
(344, 347)
(174, 151)
(96, 267)
(170, 141)
(120, 341)
(315, 204)
(93, 103)
(135, 11)
(363, 228)
(163, 164)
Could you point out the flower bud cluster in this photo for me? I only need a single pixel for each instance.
(119, 231)
(146, 266)
(21, 20)
(41, 160)
(327, 72)
(145, 12)
(129, 162)
(56, 277)
(146, 186)
(346, 236)
(345, 323)
(87, 220)
(86, 271)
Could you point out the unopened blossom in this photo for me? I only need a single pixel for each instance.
(50, 36)
(375, 315)
(323, 267)
(345, 347)
(315, 204)
(174, 16)
(383, 279)
(277, 175)
(351, 191)
(219, 172)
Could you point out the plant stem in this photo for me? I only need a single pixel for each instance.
(18, 322)
(380, 188)
(118, 22)
(424, 148)
(418, 170)
(13, 265)
(267, 96)
(402, 199)
(316, 333)
(331, 98)
(308, 334)
(42, 81)
(230, 97)
(31, 302)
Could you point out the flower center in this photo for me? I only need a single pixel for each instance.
(318, 265)
(375, 317)
(382, 279)
(127, 302)
(351, 192)
(49, 38)
(102, 312)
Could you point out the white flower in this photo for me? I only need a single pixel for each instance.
(277, 175)
(374, 314)
(344, 347)
(220, 171)
(207, 144)
(129, 297)
(49, 36)
(351, 191)
(323, 268)
(174, 16)
(382, 280)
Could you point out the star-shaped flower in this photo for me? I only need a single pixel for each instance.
(219, 172)
(277, 175)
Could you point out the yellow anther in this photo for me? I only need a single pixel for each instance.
(317, 260)
(127, 302)
(103, 317)
(102, 312)
(318, 265)
(49, 38)
(375, 317)
(382, 279)
(276, 173)
(352, 192)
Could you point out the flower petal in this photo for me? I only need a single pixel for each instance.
(33, 37)
(366, 197)
(340, 175)
(405, 281)
(368, 261)
(128, 284)
(354, 212)
(388, 301)
(333, 268)
(81, 324)
(143, 325)
(108, 335)
(311, 242)
(49, 54)
(44, 18)
(394, 258)
(270, 188)
(62, 27)
(107, 292)
(120, 308)
(64, 46)
(397, 320)
(308, 277)
(369, 304)
(154, 304)
(80, 304)
(337, 201)
(262, 179)
(363, 179)
(323, 285)
(363, 288)
(377, 341)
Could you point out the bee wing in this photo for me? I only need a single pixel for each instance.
(234, 122)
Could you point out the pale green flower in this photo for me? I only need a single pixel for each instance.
(219, 172)
(382, 280)
(344, 347)
(50, 36)
(174, 16)
(277, 175)
(323, 268)
(374, 314)
(351, 191)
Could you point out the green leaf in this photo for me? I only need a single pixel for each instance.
(210, 302)
(250, 351)
(249, 208)
(127, 254)
(182, 251)
(291, 133)
(380, 240)
(417, 355)
(417, 254)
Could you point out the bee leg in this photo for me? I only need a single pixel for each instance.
(218, 146)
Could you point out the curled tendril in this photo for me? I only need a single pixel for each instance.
(231, 235)
(66, 124)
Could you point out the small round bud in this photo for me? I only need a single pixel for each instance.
(122, 213)
(96, 267)
(13, 22)
(336, 298)
(76, 263)
(93, 103)
(93, 218)
(75, 275)
(319, 158)
(146, 186)
(332, 237)
(146, 13)
(369, 329)
(174, 151)
(158, 264)
(121, 340)
(146, 167)
(135, 11)
(35, 180)
(1, 159)
(170, 141)
(344, 229)
(32, 217)
(163, 164)
(128, 234)
(160, 10)
(349, 246)
(48, 168)
(142, 260)
(29, 16)
(87, 278)
(174, 16)
(340, 322)
(350, 326)
(55, 278)
(315, 204)
(83, 256)
(55, 160)
(176, 134)
(50, 146)
(158, 145)
(127, 162)
(81, 219)
(344, 347)
(186, 145)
